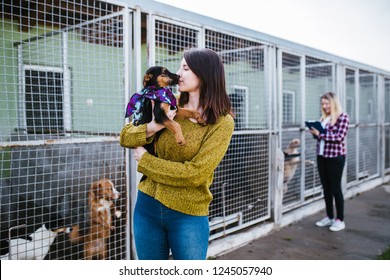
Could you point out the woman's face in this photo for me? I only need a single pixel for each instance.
(325, 105)
(188, 81)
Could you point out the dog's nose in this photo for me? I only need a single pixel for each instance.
(117, 195)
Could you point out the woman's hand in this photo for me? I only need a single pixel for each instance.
(138, 153)
(314, 131)
(153, 127)
(171, 114)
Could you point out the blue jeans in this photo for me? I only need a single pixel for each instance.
(158, 229)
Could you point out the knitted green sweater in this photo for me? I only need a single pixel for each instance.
(180, 176)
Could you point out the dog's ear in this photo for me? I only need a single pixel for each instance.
(95, 188)
(147, 78)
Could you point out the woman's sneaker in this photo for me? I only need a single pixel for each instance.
(325, 222)
(337, 225)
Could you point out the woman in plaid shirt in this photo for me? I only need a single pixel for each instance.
(331, 154)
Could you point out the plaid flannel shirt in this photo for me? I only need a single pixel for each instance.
(334, 137)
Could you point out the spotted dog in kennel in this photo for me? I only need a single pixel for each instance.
(38, 243)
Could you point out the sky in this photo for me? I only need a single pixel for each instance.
(354, 29)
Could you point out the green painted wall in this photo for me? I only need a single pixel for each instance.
(96, 73)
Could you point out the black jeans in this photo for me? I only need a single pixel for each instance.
(331, 171)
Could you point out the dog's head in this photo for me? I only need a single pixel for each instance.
(57, 224)
(294, 143)
(104, 189)
(160, 77)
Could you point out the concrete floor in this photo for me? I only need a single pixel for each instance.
(367, 234)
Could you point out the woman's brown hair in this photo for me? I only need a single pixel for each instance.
(208, 67)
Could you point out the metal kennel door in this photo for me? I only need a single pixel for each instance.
(72, 91)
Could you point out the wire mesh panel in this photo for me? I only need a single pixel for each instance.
(368, 103)
(368, 128)
(51, 185)
(387, 101)
(352, 155)
(291, 120)
(312, 184)
(292, 167)
(62, 170)
(319, 79)
(387, 124)
(291, 90)
(302, 183)
(240, 187)
(245, 78)
(170, 42)
(350, 108)
(387, 148)
(368, 152)
(350, 93)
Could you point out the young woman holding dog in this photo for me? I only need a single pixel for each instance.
(171, 212)
(331, 153)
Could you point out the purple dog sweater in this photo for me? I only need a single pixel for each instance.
(136, 103)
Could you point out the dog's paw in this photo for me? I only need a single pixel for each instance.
(181, 142)
(201, 121)
(118, 213)
(199, 118)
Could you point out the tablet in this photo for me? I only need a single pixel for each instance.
(316, 124)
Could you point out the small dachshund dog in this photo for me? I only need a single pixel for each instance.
(156, 83)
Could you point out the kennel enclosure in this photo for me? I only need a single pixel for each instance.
(69, 67)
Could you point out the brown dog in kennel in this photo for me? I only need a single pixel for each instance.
(102, 211)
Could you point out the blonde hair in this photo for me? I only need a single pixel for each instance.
(335, 107)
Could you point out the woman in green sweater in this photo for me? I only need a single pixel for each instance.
(171, 212)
